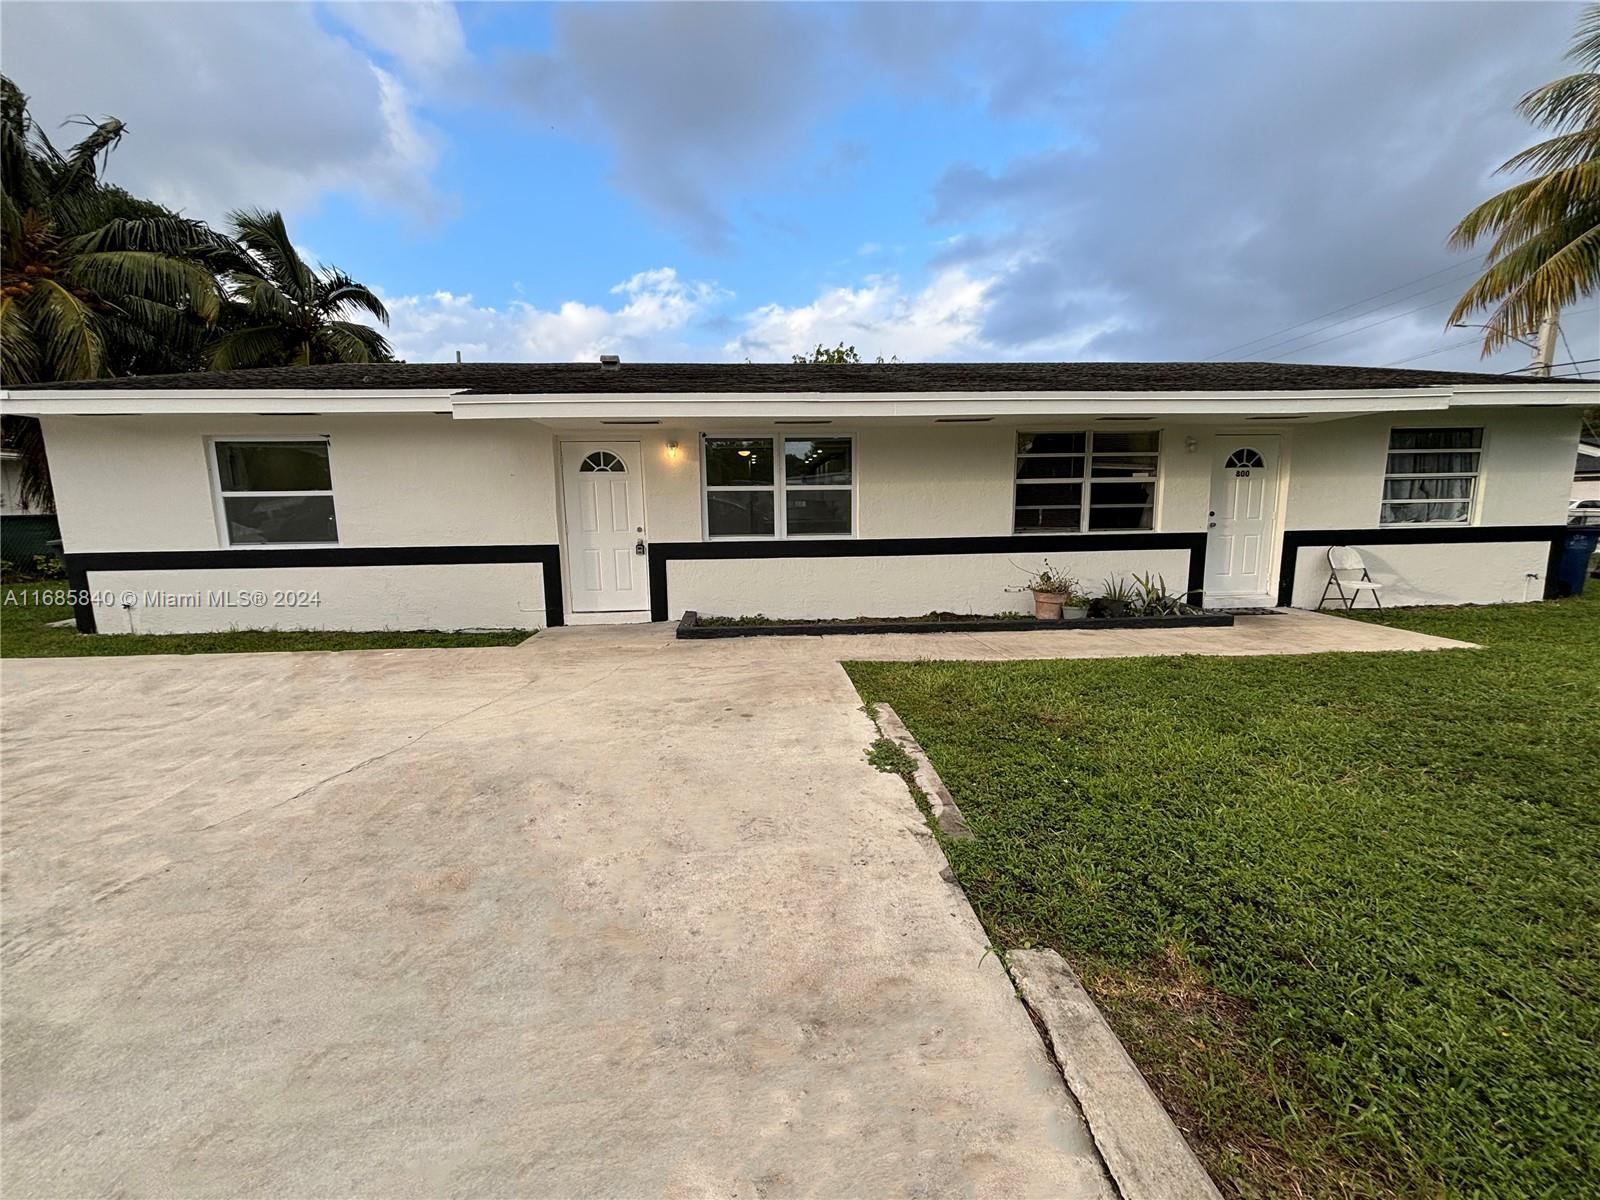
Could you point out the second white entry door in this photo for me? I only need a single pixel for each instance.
(1244, 501)
(605, 526)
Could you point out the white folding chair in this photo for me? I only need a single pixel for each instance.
(1346, 558)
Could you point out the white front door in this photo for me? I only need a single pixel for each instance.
(605, 526)
(1244, 502)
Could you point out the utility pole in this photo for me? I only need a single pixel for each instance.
(1544, 350)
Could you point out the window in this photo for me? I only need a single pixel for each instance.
(1073, 482)
(1245, 460)
(1431, 476)
(752, 493)
(604, 461)
(276, 492)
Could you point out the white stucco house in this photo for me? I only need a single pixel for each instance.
(524, 495)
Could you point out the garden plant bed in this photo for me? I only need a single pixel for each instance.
(693, 625)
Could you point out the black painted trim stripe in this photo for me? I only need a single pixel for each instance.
(661, 553)
(78, 566)
(1426, 535)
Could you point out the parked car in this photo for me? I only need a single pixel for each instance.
(1583, 512)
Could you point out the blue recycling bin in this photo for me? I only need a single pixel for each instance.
(1573, 569)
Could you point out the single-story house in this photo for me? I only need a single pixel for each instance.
(530, 494)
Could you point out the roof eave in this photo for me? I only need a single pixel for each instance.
(1330, 402)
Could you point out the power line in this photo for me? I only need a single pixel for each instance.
(1576, 312)
(1452, 346)
(1342, 308)
(1358, 329)
(1562, 330)
(1577, 362)
(1287, 344)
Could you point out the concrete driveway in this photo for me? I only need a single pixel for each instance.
(604, 914)
(601, 915)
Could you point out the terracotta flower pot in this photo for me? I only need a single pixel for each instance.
(1047, 606)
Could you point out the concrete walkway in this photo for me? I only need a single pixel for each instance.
(604, 914)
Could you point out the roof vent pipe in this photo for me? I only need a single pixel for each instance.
(610, 362)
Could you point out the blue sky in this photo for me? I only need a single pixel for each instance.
(1118, 181)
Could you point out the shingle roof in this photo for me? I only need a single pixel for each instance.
(543, 378)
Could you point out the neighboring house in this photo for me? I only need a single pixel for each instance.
(11, 483)
(451, 495)
(1586, 475)
(25, 531)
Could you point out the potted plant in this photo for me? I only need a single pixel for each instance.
(1117, 598)
(1056, 594)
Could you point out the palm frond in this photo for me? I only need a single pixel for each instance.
(340, 292)
(260, 345)
(19, 353)
(164, 234)
(69, 341)
(17, 165)
(1585, 49)
(1549, 271)
(263, 301)
(1545, 231)
(1567, 103)
(78, 171)
(350, 342)
(266, 236)
(146, 274)
(1559, 153)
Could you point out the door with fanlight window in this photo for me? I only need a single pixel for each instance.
(606, 560)
(1244, 505)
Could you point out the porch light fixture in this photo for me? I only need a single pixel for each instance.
(672, 449)
(744, 454)
(1191, 443)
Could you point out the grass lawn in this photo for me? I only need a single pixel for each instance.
(1343, 909)
(25, 633)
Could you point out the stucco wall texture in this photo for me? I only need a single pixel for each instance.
(145, 483)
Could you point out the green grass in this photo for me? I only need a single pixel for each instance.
(1342, 908)
(25, 632)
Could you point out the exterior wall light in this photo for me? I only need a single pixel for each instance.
(1191, 443)
(672, 449)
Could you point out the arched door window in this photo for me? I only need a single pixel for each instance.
(1245, 458)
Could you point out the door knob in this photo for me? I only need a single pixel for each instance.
(1211, 524)
(638, 547)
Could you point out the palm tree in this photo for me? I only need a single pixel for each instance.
(93, 281)
(1546, 230)
(285, 313)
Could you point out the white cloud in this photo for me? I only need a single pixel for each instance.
(877, 318)
(213, 122)
(656, 310)
(426, 38)
(945, 319)
(661, 317)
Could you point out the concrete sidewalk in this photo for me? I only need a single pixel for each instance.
(604, 914)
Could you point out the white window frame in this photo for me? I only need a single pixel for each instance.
(218, 496)
(1476, 476)
(1086, 481)
(779, 488)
